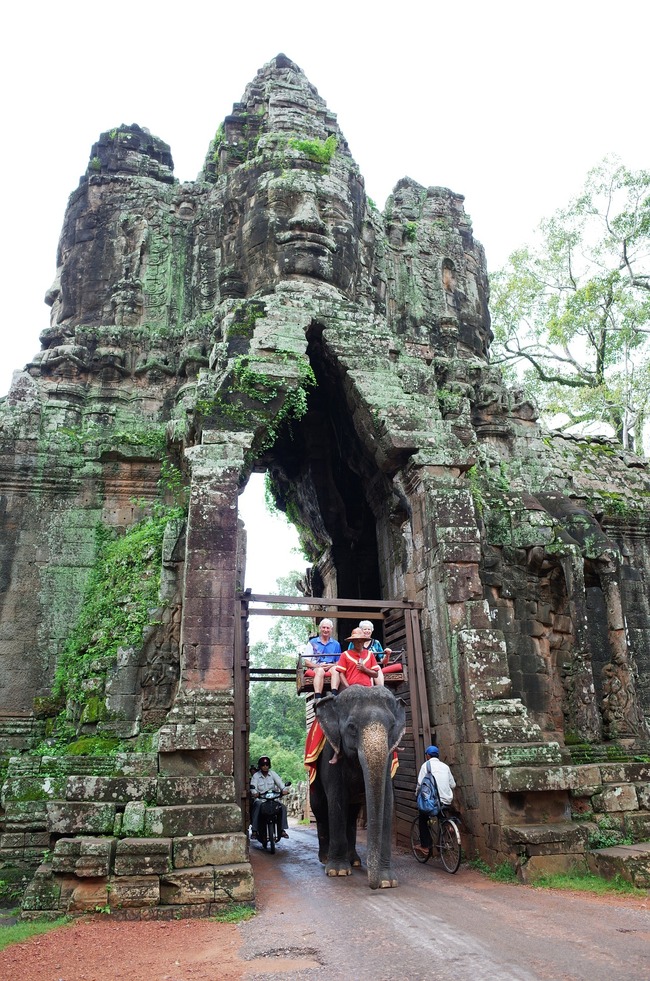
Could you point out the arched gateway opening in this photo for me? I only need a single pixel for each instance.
(323, 475)
(398, 621)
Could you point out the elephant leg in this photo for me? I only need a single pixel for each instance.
(338, 860)
(387, 878)
(318, 804)
(353, 857)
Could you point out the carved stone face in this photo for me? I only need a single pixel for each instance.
(296, 224)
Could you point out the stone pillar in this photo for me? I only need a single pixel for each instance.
(208, 621)
(577, 677)
(622, 712)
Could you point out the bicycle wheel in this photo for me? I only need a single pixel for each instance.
(450, 850)
(416, 843)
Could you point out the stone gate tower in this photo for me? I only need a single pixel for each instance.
(268, 317)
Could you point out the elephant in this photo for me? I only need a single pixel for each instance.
(363, 725)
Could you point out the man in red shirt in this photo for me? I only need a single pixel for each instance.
(355, 667)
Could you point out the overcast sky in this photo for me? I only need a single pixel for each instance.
(508, 103)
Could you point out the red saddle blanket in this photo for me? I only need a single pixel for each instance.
(314, 747)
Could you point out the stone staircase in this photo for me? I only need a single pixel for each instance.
(548, 815)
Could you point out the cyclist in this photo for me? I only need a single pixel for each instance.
(446, 784)
(265, 779)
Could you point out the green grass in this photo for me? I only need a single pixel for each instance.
(234, 914)
(23, 931)
(505, 872)
(579, 881)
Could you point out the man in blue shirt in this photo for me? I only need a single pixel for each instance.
(320, 653)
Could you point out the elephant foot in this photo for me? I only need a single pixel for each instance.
(355, 861)
(388, 884)
(338, 868)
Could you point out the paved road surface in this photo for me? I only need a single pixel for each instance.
(433, 926)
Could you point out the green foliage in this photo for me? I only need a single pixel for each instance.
(219, 141)
(93, 746)
(13, 882)
(504, 872)
(95, 164)
(608, 834)
(18, 932)
(579, 880)
(121, 595)
(277, 715)
(488, 484)
(410, 231)
(573, 308)
(234, 914)
(320, 151)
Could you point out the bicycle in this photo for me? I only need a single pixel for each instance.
(445, 837)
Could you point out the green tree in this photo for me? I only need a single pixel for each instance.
(573, 308)
(277, 713)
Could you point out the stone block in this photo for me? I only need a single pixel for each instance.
(37, 839)
(195, 790)
(133, 818)
(549, 864)
(204, 850)
(143, 856)
(187, 886)
(534, 778)
(26, 815)
(545, 839)
(183, 737)
(462, 583)
(197, 819)
(518, 754)
(616, 797)
(131, 891)
(631, 862)
(637, 824)
(32, 788)
(13, 840)
(624, 772)
(72, 817)
(117, 790)
(234, 883)
(42, 894)
(200, 762)
(135, 764)
(642, 793)
(84, 857)
(88, 896)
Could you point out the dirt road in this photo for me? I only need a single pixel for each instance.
(433, 926)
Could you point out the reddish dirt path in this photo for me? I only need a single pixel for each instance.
(434, 926)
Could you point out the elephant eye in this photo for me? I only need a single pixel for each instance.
(352, 727)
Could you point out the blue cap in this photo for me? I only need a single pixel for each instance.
(432, 751)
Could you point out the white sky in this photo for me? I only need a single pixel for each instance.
(509, 103)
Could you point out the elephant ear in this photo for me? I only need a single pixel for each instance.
(328, 716)
(398, 726)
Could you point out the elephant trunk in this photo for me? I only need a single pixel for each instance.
(373, 755)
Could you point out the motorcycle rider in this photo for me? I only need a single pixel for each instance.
(264, 780)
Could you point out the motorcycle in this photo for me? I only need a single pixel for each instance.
(269, 824)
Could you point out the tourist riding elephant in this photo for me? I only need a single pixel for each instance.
(363, 725)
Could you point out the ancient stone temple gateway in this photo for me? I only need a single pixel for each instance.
(268, 317)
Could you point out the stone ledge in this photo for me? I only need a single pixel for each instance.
(631, 862)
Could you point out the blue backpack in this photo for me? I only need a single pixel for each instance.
(428, 798)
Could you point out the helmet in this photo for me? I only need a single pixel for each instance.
(432, 751)
(264, 761)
